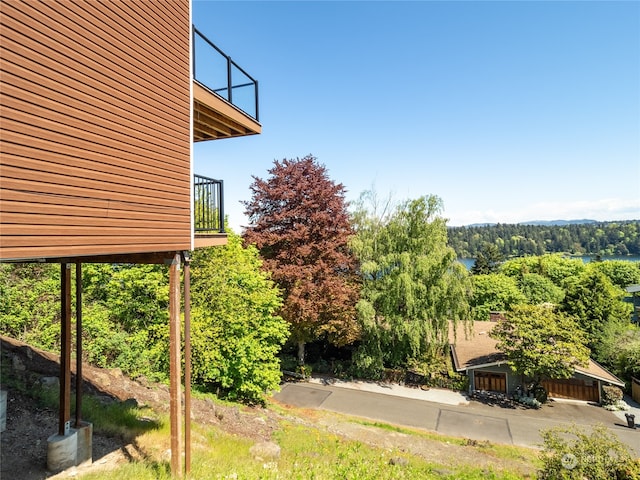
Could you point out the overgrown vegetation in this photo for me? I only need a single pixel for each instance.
(236, 334)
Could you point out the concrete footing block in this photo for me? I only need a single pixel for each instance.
(62, 451)
(75, 449)
(84, 454)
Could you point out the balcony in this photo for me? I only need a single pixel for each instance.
(225, 97)
(208, 212)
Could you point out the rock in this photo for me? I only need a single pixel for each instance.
(101, 380)
(265, 451)
(144, 381)
(403, 462)
(50, 382)
(18, 364)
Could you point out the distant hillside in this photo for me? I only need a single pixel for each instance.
(557, 222)
(536, 222)
(579, 237)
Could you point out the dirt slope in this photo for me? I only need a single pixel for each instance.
(24, 443)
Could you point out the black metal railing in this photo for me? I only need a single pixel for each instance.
(208, 205)
(215, 70)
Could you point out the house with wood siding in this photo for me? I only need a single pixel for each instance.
(100, 104)
(475, 354)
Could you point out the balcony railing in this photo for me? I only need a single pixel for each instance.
(215, 70)
(208, 205)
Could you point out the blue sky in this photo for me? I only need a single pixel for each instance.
(508, 111)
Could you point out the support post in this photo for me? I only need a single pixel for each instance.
(78, 345)
(187, 363)
(65, 349)
(175, 397)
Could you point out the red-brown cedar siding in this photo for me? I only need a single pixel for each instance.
(95, 111)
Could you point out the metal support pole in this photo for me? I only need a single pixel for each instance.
(256, 90)
(193, 50)
(221, 207)
(187, 363)
(78, 344)
(65, 349)
(175, 397)
(230, 96)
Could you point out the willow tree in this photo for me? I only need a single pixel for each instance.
(412, 284)
(300, 224)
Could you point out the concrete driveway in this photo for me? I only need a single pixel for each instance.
(473, 420)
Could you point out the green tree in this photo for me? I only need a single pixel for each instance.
(494, 292)
(487, 260)
(300, 224)
(596, 303)
(236, 332)
(540, 343)
(621, 273)
(556, 268)
(412, 285)
(539, 289)
(619, 350)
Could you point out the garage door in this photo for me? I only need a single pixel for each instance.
(490, 381)
(572, 388)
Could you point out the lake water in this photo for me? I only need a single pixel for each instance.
(468, 262)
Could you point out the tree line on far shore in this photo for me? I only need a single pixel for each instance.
(517, 240)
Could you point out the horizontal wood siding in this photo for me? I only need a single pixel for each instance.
(95, 114)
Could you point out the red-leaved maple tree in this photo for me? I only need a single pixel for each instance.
(300, 224)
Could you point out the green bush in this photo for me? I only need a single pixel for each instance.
(573, 453)
(366, 366)
(611, 395)
(236, 333)
(530, 402)
(30, 303)
(288, 362)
